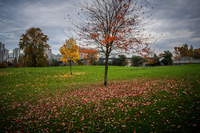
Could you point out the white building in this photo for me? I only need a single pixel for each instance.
(50, 54)
(16, 53)
(6, 54)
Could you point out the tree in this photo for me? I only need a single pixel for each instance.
(160, 55)
(184, 51)
(20, 60)
(34, 45)
(89, 55)
(10, 64)
(92, 57)
(197, 53)
(167, 58)
(191, 51)
(15, 61)
(126, 63)
(156, 60)
(120, 61)
(3, 65)
(55, 62)
(137, 60)
(80, 62)
(113, 25)
(176, 53)
(70, 52)
(115, 62)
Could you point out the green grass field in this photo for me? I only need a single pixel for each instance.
(154, 99)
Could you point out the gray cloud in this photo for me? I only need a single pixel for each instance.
(18, 16)
(177, 20)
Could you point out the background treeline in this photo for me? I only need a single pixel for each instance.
(185, 51)
(92, 59)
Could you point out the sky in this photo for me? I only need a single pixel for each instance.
(177, 20)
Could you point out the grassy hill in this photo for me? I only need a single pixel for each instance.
(154, 99)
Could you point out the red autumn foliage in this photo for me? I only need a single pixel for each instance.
(114, 26)
(89, 54)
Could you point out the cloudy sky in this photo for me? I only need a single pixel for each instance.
(177, 20)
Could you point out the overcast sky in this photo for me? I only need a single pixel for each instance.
(177, 20)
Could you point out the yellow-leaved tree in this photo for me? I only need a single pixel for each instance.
(70, 52)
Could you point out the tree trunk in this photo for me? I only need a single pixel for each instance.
(70, 63)
(106, 70)
(35, 63)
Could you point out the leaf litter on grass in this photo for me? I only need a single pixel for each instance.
(97, 108)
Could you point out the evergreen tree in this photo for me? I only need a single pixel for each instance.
(167, 58)
(137, 60)
(15, 61)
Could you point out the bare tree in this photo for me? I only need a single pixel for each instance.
(113, 26)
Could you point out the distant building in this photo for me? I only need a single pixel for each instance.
(11, 55)
(16, 53)
(186, 60)
(50, 55)
(1, 52)
(58, 57)
(49, 51)
(4, 53)
(101, 55)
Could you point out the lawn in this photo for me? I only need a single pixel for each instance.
(154, 99)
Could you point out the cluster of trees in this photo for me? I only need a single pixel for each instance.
(112, 25)
(184, 51)
(34, 44)
(15, 63)
(137, 60)
(120, 61)
(54, 62)
(3, 65)
(166, 59)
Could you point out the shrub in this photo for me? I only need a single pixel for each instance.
(80, 62)
(3, 65)
(120, 61)
(17, 65)
(137, 60)
(99, 62)
(10, 64)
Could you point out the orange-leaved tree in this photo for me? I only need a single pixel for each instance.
(197, 53)
(70, 52)
(89, 54)
(184, 51)
(114, 26)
